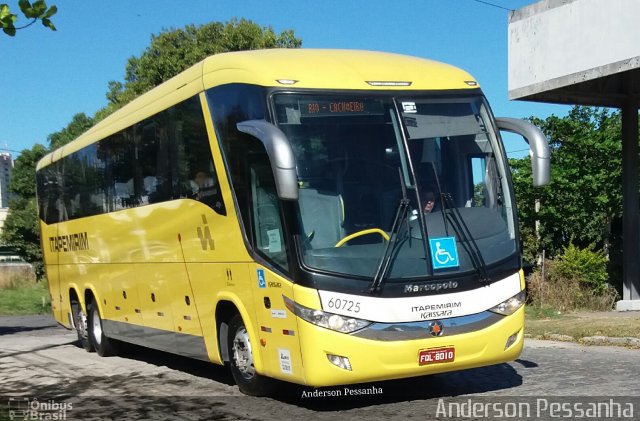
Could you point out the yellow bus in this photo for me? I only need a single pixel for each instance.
(322, 217)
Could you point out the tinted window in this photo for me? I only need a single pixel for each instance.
(48, 185)
(249, 167)
(164, 157)
(231, 104)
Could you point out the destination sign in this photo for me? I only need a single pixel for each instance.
(339, 107)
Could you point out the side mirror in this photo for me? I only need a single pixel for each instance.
(280, 154)
(538, 147)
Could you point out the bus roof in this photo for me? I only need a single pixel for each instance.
(292, 68)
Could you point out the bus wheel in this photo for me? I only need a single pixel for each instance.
(241, 360)
(105, 347)
(82, 329)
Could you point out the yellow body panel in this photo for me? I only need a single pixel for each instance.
(333, 69)
(281, 328)
(310, 68)
(379, 360)
(148, 266)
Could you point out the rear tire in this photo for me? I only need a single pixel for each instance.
(241, 360)
(104, 346)
(81, 323)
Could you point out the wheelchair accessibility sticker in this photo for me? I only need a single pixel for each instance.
(261, 281)
(444, 253)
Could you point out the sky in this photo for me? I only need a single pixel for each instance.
(46, 77)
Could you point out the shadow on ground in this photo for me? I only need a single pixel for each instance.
(130, 396)
(127, 392)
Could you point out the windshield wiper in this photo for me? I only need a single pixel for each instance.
(466, 238)
(399, 219)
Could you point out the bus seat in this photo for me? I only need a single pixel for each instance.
(322, 217)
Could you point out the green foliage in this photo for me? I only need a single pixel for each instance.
(21, 230)
(575, 280)
(564, 288)
(23, 176)
(585, 194)
(586, 265)
(173, 51)
(529, 244)
(78, 125)
(36, 11)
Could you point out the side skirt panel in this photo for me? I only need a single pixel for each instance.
(177, 343)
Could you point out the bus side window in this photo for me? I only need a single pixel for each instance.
(228, 105)
(150, 162)
(478, 169)
(196, 176)
(267, 225)
(49, 203)
(248, 167)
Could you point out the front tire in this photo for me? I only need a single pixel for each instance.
(241, 360)
(105, 347)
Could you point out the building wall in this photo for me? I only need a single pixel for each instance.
(6, 167)
(556, 43)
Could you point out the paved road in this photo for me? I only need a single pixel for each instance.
(40, 360)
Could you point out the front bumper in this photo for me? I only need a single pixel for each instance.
(376, 360)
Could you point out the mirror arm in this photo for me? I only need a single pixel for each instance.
(280, 154)
(538, 147)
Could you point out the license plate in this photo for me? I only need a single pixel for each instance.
(435, 356)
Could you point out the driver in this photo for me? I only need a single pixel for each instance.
(428, 201)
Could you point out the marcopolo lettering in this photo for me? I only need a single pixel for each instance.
(433, 286)
(72, 242)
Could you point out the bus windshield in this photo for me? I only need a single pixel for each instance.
(359, 155)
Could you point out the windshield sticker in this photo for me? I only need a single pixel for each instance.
(409, 107)
(275, 246)
(444, 253)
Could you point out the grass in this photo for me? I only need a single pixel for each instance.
(23, 295)
(544, 322)
(541, 312)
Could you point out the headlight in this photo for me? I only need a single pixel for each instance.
(321, 318)
(510, 306)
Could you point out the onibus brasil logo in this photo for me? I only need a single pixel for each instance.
(33, 409)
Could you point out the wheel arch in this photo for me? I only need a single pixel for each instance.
(226, 307)
(91, 295)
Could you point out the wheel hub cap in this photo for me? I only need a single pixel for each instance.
(242, 357)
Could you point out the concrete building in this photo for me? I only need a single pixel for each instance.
(6, 167)
(587, 52)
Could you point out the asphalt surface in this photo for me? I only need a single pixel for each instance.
(43, 373)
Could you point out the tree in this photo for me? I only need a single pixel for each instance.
(78, 125)
(584, 197)
(21, 231)
(38, 11)
(173, 51)
(170, 53)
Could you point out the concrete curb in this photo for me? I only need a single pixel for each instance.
(590, 340)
